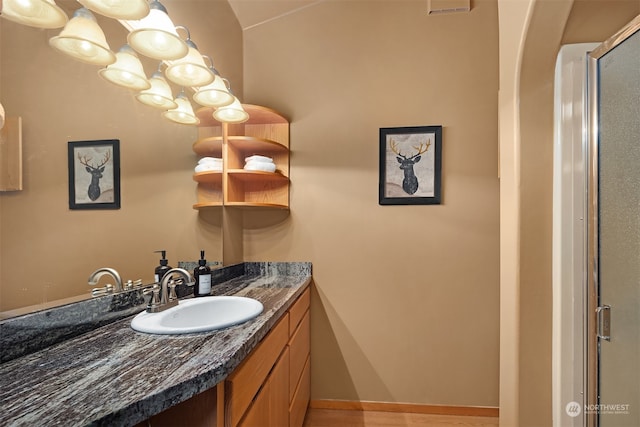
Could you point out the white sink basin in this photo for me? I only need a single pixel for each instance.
(198, 315)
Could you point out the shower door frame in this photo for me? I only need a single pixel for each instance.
(592, 361)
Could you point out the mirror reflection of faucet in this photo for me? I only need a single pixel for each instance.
(94, 278)
(108, 288)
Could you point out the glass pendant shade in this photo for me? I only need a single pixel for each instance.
(183, 114)
(127, 71)
(232, 113)
(158, 95)
(83, 40)
(215, 94)
(155, 35)
(118, 9)
(35, 13)
(190, 70)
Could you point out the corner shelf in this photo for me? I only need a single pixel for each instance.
(266, 133)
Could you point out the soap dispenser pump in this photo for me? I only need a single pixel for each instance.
(202, 274)
(162, 269)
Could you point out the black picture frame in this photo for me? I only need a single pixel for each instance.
(94, 174)
(409, 175)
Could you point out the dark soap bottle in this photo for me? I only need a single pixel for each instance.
(202, 274)
(162, 269)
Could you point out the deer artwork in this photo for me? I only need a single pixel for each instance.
(96, 173)
(410, 181)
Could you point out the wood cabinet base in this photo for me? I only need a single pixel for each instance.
(270, 388)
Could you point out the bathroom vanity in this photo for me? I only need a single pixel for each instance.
(255, 373)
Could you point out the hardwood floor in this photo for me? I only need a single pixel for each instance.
(355, 418)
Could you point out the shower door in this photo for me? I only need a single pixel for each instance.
(614, 234)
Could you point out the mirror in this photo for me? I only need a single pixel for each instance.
(47, 250)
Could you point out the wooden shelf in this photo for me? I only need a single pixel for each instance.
(257, 176)
(207, 205)
(256, 205)
(250, 143)
(266, 133)
(208, 177)
(210, 146)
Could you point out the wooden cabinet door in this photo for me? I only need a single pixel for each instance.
(242, 386)
(270, 408)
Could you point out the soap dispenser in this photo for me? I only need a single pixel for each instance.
(162, 269)
(202, 273)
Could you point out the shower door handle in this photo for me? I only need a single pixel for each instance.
(604, 322)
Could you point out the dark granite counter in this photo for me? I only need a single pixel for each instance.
(115, 376)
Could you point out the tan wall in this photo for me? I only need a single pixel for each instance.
(45, 247)
(406, 299)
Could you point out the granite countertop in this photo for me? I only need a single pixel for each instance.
(116, 376)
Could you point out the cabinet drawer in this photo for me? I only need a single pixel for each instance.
(298, 309)
(299, 346)
(298, 407)
(243, 384)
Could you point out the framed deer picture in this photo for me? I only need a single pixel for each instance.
(410, 165)
(94, 174)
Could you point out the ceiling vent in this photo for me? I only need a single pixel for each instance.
(438, 7)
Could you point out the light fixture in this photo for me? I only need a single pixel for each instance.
(1, 116)
(118, 9)
(83, 40)
(190, 70)
(35, 13)
(127, 71)
(183, 114)
(151, 33)
(215, 94)
(155, 35)
(159, 94)
(232, 113)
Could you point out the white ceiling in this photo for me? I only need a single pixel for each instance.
(251, 13)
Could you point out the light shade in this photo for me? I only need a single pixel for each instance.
(183, 114)
(118, 9)
(158, 95)
(35, 13)
(127, 71)
(232, 113)
(190, 70)
(155, 35)
(215, 94)
(83, 40)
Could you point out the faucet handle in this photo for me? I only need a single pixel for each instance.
(132, 284)
(172, 290)
(154, 290)
(107, 289)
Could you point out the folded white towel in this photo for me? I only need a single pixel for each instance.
(257, 158)
(260, 166)
(208, 167)
(209, 160)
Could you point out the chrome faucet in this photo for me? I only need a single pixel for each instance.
(163, 295)
(108, 288)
